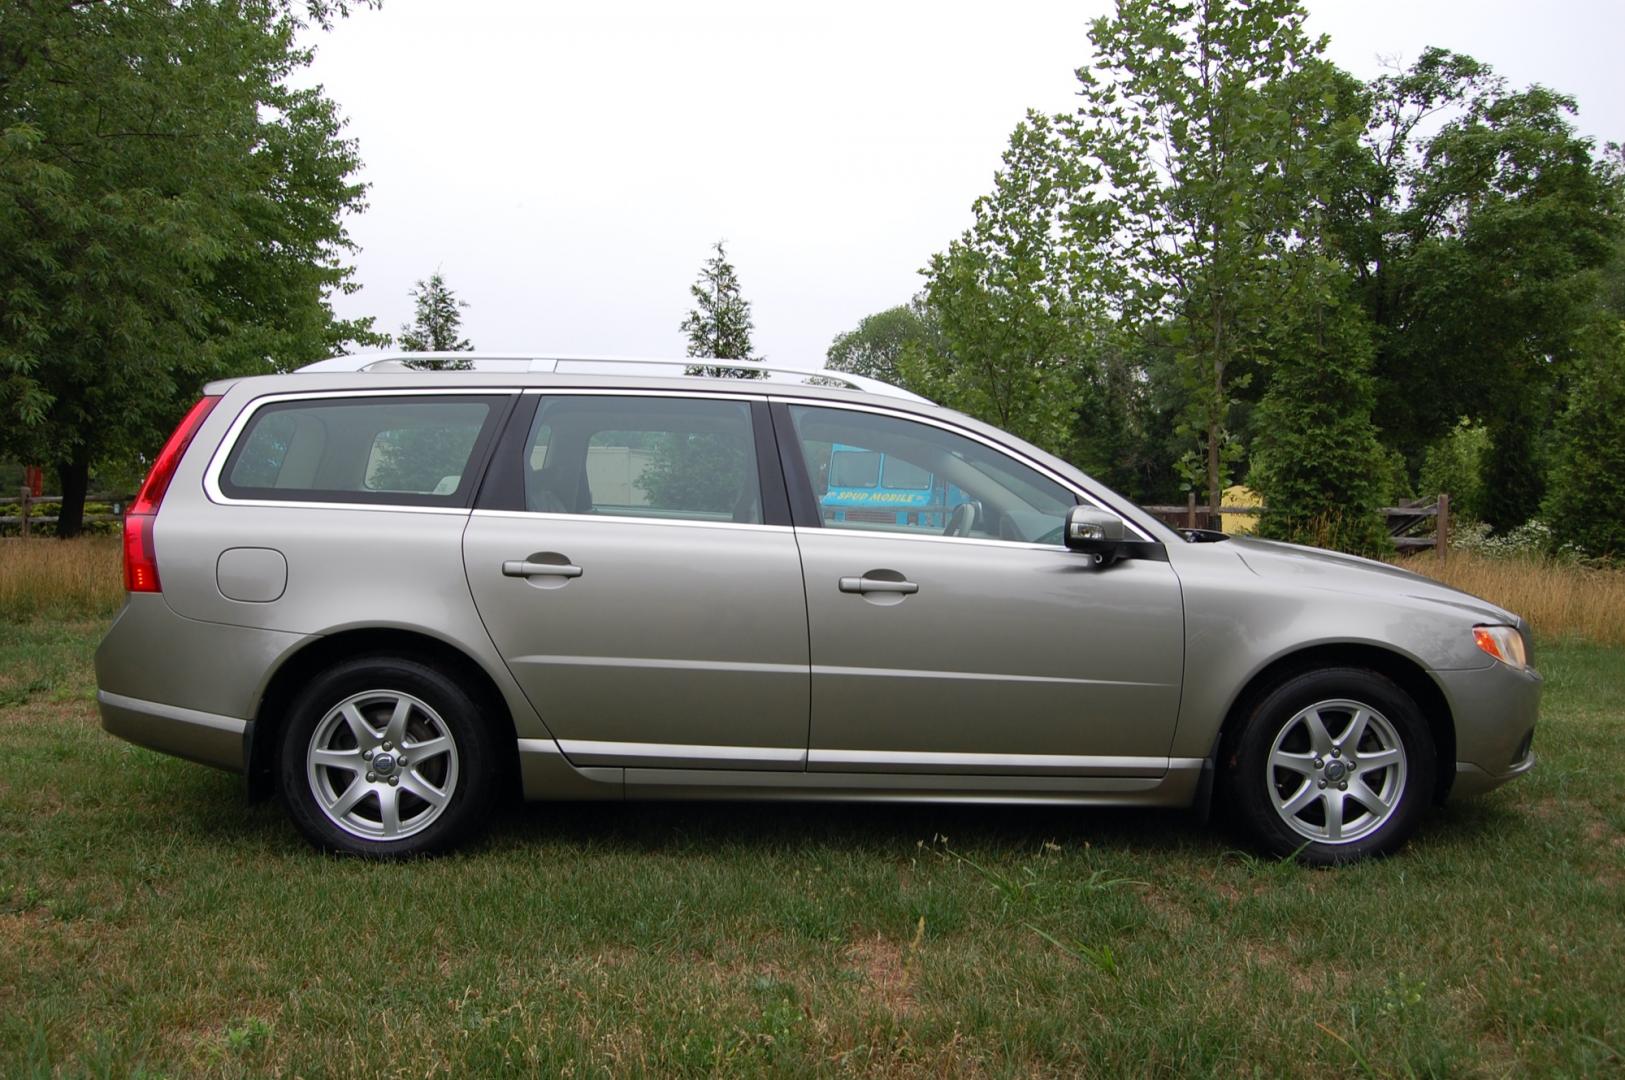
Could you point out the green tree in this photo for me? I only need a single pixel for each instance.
(1316, 459)
(1587, 485)
(437, 325)
(876, 346)
(1201, 129)
(719, 324)
(1474, 221)
(171, 211)
(1014, 314)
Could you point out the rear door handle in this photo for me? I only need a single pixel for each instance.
(868, 584)
(525, 568)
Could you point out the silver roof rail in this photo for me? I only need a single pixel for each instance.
(522, 364)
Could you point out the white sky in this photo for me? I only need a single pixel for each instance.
(567, 166)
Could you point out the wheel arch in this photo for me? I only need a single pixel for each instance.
(264, 735)
(1402, 670)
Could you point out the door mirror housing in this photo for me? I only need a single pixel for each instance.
(1094, 532)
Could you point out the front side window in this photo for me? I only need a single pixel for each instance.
(685, 458)
(922, 480)
(409, 450)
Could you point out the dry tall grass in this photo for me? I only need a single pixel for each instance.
(60, 578)
(1558, 600)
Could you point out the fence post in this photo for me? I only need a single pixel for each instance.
(1190, 509)
(1441, 528)
(22, 508)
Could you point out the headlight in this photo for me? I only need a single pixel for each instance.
(1504, 643)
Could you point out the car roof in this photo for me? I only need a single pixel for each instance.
(379, 370)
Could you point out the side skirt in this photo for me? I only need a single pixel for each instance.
(548, 775)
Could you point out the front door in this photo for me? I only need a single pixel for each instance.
(972, 640)
(637, 591)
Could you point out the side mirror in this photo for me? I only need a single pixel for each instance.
(1094, 532)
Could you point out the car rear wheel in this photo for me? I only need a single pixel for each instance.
(1333, 765)
(386, 757)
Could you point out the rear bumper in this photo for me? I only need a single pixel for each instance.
(208, 738)
(181, 686)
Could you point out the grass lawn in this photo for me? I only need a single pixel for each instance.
(153, 923)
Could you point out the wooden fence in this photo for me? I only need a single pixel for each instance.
(26, 518)
(1403, 521)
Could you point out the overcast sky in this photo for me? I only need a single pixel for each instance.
(567, 166)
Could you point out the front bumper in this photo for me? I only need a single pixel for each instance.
(1495, 710)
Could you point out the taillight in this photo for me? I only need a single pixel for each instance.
(140, 556)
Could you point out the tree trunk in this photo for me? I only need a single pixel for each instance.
(1215, 433)
(74, 476)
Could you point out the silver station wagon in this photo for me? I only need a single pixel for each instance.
(388, 594)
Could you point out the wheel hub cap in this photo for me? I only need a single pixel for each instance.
(1336, 772)
(382, 765)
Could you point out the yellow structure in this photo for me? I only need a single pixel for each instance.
(1239, 524)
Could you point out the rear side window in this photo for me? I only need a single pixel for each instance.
(408, 450)
(689, 459)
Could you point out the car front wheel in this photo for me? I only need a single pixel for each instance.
(1332, 765)
(386, 757)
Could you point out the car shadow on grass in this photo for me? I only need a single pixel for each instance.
(214, 810)
(675, 827)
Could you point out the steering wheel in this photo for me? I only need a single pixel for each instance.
(960, 520)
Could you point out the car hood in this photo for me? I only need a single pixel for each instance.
(1334, 571)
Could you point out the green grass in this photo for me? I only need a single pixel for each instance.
(153, 923)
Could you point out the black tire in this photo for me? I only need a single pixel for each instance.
(338, 733)
(1285, 774)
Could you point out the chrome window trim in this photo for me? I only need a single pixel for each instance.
(612, 391)
(1093, 498)
(627, 519)
(222, 451)
(927, 538)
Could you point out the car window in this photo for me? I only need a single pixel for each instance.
(882, 473)
(410, 450)
(690, 459)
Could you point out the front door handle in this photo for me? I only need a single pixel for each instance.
(526, 568)
(873, 582)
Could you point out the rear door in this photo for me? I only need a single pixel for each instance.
(642, 581)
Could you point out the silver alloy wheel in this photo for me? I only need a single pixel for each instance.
(1336, 771)
(382, 765)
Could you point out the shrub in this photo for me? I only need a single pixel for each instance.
(1585, 502)
(1454, 465)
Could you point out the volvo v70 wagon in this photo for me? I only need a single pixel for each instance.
(387, 594)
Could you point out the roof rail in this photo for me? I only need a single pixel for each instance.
(516, 363)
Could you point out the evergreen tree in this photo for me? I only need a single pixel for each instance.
(1588, 476)
(1316, 458)
(436, 325)
(719, 324)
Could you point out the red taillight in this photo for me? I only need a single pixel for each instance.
(140, 557)
(140, 560)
